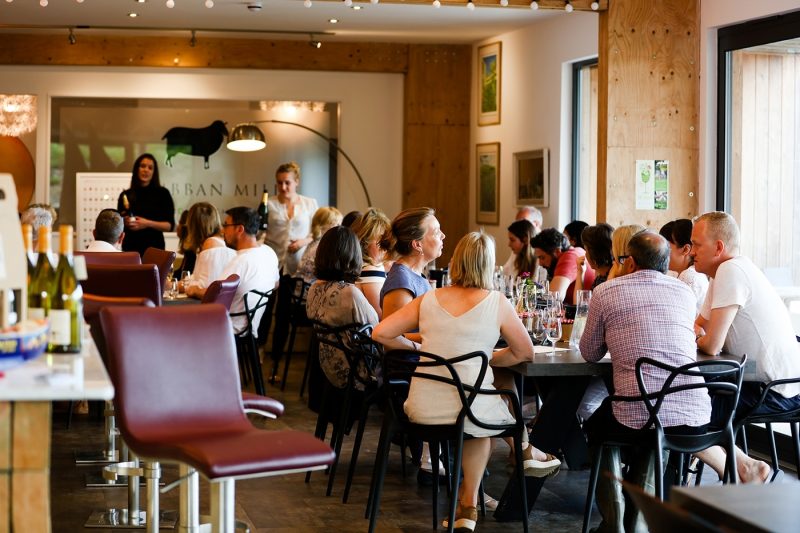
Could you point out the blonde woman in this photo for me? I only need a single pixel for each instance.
(204, 236)
(370, 229)
(619, 248)
(442, 317)
(324, 219)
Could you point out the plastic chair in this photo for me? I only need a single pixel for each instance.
(111, 258)
(138, 281)
(222, 291)
(297, 318)
(246, 341)
(399, 368)
(204, 426)
(163, 259)
(722, 379)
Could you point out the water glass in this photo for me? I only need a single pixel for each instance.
(186, 276)
(536, 327)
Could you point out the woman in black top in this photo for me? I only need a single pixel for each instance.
(147, 208)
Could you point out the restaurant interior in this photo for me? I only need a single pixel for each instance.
(387, 107)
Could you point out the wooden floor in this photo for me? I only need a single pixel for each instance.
(287, 504)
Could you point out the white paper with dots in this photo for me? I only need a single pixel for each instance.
(95, 191)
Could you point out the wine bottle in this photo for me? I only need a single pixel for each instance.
(126, 207)
(263, 210)
(40, 287)
(66, 311)
(30, 258)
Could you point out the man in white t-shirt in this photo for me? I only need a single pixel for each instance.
(742, 314)
(256, 264)
(108, 232)
(532, 215)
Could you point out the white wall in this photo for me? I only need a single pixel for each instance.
(715, 14)
(371, 119)
(536, 110)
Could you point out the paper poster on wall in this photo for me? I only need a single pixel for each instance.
(652, 184)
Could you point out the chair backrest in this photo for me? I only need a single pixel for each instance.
(222, 291)
(163, 259)
(297, 299)
(139, 281)
(339, 338)
(664, 517)
(111, 258)
(401, 366)
(255, 302)
(721, 378)
(93, 304)
(366, 354)
(185, 381)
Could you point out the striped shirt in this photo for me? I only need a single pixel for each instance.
(646, 314)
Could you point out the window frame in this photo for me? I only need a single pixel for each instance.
(576, 114)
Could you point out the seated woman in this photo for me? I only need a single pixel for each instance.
(452, 321)
(520, 234)
(596, 241)
(204, 235)
(324, 219)
(333, 299)
(619, 247)
(370, 229)
(679, 236)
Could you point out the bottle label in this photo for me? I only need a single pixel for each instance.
(36, 313)
(59, 327)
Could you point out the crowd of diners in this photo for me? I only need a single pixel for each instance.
(663, 294)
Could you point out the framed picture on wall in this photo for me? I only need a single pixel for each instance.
(532, 178)
(487, 165)
(489, 76)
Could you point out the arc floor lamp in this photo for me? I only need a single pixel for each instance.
(247, 137)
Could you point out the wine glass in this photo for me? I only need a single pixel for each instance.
(186, 276)
(169, 286)
(537, 328)
(552, 327)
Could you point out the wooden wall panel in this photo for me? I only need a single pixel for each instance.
(436, 150)
(649, 90)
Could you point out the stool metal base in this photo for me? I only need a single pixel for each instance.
(96, 457)
(119, 519)
(95, 480)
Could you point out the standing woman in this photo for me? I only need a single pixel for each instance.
(150, 211)
(288, 233)
(679, 236)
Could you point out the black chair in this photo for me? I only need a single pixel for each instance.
(664, 517)
(246, 349)
(297, 319)
(722, 380)
(399, 368)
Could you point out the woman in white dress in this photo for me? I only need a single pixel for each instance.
(370, 229)
(452, 321)
(679, 235)
(204, 237)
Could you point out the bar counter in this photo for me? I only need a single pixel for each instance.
(26, 393)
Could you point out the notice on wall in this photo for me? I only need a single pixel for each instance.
(652, 184)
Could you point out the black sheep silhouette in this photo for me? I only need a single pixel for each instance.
(195, 141)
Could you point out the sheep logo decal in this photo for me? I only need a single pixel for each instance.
(195, 141)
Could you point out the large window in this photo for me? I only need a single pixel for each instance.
(584, 141)
(758, 170)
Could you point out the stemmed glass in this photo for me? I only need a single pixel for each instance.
(552, 321)
(537, 329)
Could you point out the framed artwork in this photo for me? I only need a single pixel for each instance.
(487, 167)
(532, 178)
(489, 75)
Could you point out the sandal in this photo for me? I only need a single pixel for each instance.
(535, 468)
(466, 519)
(489, 502)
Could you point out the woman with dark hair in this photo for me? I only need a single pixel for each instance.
(679, 236)
(147, 208)
(334, 300)
(520, 234)
(596, 242)
(573, 232)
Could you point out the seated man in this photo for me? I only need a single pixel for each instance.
(554, 253)
(256, 264)
(742, 314)
(108, 232)
(643, 313)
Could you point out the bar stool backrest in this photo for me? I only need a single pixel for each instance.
(222, 291)
(140, 281)
(163, 259)
(111, 258)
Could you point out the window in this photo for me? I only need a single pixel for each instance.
(584, 141)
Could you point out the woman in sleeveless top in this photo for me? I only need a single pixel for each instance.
(204, 236)
(370, 229)
(452, 321)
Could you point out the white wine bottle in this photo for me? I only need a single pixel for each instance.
(66, 311)
(263, 209)
(41, 285)
(27, 240)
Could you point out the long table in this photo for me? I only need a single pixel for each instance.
(26, 393)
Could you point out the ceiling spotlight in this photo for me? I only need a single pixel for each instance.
(504, 3)
(79, 1)
(470, 5)
(437, 4)
(133, 15)
(307, 3)
(356, 7)
(333, 21)
(43, 3)
(170, 3)
(568, 7)
(348, 3)
(71, 38)
(374, 1)
(313, 43)
(595, 6)
(209, 4)
(534, 5)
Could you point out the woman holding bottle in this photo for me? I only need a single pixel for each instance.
(147, 208)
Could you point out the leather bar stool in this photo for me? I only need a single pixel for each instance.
(179, 400)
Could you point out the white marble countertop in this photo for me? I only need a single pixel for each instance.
(59, 377)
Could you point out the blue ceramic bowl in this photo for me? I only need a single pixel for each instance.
(22, 342)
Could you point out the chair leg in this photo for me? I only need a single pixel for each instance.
(322, 421)
(381, 462)
(699, 475)
(731, 458)
(593, 475)
(311, 353)
(520, 470)
(434, 450)
(189, 490)
(222, 506)
(351, 470)
(796, 442)
(659, 467)
(744, 440)
(456, 479)
(339, 432)
(288, 355)
(152, 474)
(772, 448)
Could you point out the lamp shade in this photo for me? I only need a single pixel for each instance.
(246, 138)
